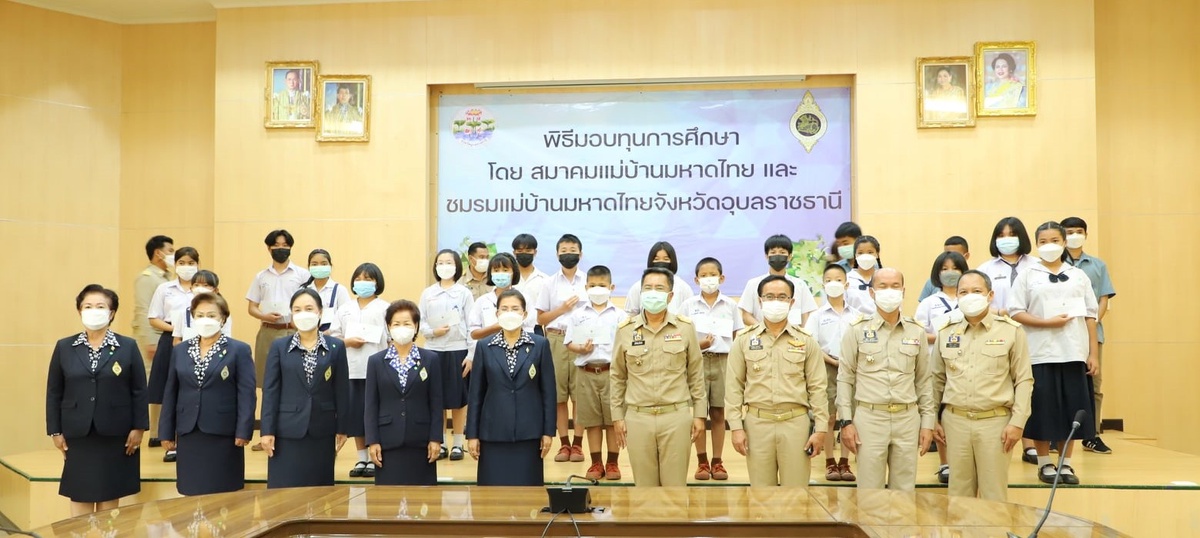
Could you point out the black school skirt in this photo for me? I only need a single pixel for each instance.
(454, 385)
(406, 466)
(159, 367)
(510, 464)
(97, 469)
(1059, 390)
(209, 464)
(302, 462)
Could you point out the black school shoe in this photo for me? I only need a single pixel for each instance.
(1067, 476)
(1047, 473)
(943, 474)
(154, 442)
(456, 453)
(358, 469)
(169, 457)
(1029, 456)
(443, 454)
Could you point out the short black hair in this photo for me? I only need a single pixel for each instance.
(853, 261)
(834, 267)
(569, 239)
(777, 241)
(309, 292)
(458, 266)
(599, 270)
(512, 293)
(155, 243)
(957, 241)
(1051, 225)
(987, 280)
(957, 259)
(1074, 222)
(846, 229)
(776, 278)
(271, 237)
(503, 260)
(113, 300)
(1018, 229)
(206, 276)
(712, 260)
(403, 305)
(659, 271)
(471, 249)
(188, 252)
(373, 271)
(524, 241)
(664, 246)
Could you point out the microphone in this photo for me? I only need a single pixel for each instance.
(569, 499)
(567, 484)
(1080, 416)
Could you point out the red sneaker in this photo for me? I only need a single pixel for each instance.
(719, 473)
(595, 472)
(564, 454)
(703, 472)
(612, 471)
(576, 453)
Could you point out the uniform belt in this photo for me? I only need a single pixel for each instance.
(559, 332)
(596, 368)
(777, 415)
(979, 415)
(888, 408)
(712, 355)
(659, 409)
(276, 326)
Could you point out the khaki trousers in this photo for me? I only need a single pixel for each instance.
(564, 367)
(659, 446)
(155, 409)
(262, 346)
(979, 466)
(888, 453)
(1097, 393)
(775, 455)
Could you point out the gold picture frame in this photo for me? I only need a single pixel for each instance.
(344, 108)
(1006, 78)
(945, 92)
(289, 95)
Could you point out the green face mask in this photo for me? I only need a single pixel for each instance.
(654, 301)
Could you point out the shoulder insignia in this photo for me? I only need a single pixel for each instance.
(907, 319)
(625, 322)
(859, 319)
(945, 323)
(1009, 321)
(800, 329)
(683, 318)
(746, 330)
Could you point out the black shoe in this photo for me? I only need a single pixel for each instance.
(358, 469)
(169, 457)
(456, 453)
(1054, 447)
(154, 442)
(1047, 473)
(1029, 456)
(369, 472)
(442, 455)
(1096, 445)
(932, 447)
(1066, 475)
(943, 474)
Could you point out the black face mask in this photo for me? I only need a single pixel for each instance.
(525, 259)
(568, 261)
(281, 255)
(777, 262)
(661, 265)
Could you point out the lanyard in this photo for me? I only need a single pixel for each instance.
(188, 314)
(333, 296)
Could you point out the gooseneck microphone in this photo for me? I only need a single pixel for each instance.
(567, 483)
(1080, 416)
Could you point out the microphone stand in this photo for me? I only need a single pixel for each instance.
(1062, 454)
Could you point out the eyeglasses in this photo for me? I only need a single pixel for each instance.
(775, 298)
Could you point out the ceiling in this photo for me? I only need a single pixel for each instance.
(165, 11)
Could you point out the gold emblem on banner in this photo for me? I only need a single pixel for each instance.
(808, 124)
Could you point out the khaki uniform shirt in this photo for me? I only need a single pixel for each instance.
(143, 290)
(478, 287)
(982, 367)
(883, 365)
(772, 372)
(662, 367)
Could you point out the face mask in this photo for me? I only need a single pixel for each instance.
(502, 280)
(1007, 245)
(654, 301)
(1075, 240)
(777, 262)
(197, 290)
(169, 259)
(710, 284)
(866, 262)
(281, 255)
(206, 326)
(568, 261)
(525, 259)
(481, 266)
(598, 295)
(845, 252)
(445, 271)
(661, 265)
(1050, 252)
(320, 271)
(972, 304)
(949, 278)
(306, 321)
(94, 318)
(888, 300)
(775, 311)
(402, 334)
(364, 288)
(186, 272)
(834, 288)
(510, 321)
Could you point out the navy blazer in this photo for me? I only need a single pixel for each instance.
(412, 417)
(223, 405)
(293, 409)
(113, 400)
(521, 408)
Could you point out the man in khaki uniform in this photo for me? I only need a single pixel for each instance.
(657, 384)
(160, 250)
(777, 371)
(885, 393)
(981, 372)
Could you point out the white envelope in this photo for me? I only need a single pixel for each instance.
(369, 333)
(591, 330)
(489, 318)
(273, 307)
(1073, 307)
(189, 333)
(708, 324)
(450, 318)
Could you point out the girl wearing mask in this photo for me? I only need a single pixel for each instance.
(934, 311)
(662, 254)
(862, 271)
(444, 306)
(204, 281)
(333, 295)
(827, 324)
(361, 326)
(1010, 250)
(1055, 302)
(169, 299)
(483, 321)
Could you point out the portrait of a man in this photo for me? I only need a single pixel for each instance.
(290, 95)
(344, 108)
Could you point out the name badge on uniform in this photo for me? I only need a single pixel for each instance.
(869, 337)
(910, 342)
(637, 339)
(532, 371)
(996, 342)
(673, 338)
(116, 369)
(797, 346)
(424, 374)
(755, 344)
(224, 373)
(954, 341)
(328, 373)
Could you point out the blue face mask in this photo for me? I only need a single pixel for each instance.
(502, 280)
(364, 288)
(320, 271)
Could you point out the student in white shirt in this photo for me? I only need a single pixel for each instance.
(827, 325)
(444, 306)
(662, 254)
(590, 332)
(333, 295)
(360, 324)
(531, 279)
(169, 299)
(202, 282)
(1010, 250)
(953, 243)
(1055, 302)
(862, 271)
(269, 298)
(717, 318)
(561, 294)
(778, 251)
(482, 322)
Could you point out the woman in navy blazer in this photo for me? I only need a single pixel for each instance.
(96, 407)
(208, 403)
(403, 416)
(511, 408)
(306, 400)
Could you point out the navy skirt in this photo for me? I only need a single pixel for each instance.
(1059, 390)
(406, 466)
(97, 470)
(454, 385)
(209, 464)
(510, 464)
(356, 426)
(159, 367)
(301, 463)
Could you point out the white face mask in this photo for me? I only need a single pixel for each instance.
(599, 295)
(481, 266)
(444, 270)
(866, 262)
(510, 321)
(306, 321)
(402, 334)
(1050, 252)
(1007, 245)
(710, 284)
(186, 272)
(972, 304)
(197, 290)
(775, 311)
(206, 327)
(95, 318)
(834, 288)
(169, 259)
(889, 300)
(1075, 240)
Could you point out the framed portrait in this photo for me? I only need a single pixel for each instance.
(290, 95)
(945, 92)
(344, 108)
(1006, 75)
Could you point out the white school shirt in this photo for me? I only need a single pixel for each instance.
(435, 303)
(483, 314)
(274, 289)
(609, 317)
(1003, 276)
(555, 291)
(168, 300)
(828, 326)
(1033, 292)
(931, 310)
(531, 288)
(722, 308)
(373, 314)
(182, 323)
(804, 301)
(858, 292)
(682, 291)
(333, 296)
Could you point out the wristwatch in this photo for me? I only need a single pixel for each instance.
(843, 423)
